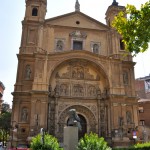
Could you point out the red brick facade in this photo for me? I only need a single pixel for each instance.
(144, 112)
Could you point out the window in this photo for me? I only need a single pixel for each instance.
(122, 45)
(141, 110)
(142, 122)
(34, 11)
(77, 40)
(77, 45)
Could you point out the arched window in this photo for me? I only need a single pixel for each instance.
(34, 11)
(122, 45)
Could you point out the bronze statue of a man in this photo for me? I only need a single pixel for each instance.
(74, 119)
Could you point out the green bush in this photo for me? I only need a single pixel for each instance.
(141, 146)
(50, 143)
(92, 142)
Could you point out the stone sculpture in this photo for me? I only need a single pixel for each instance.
(74, 119)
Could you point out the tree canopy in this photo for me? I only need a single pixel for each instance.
(5, 122)
(134, 26)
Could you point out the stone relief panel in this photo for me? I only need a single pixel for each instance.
(64, 89)
(78, 90)
(78, 79)
(77, 73)
(92, 91)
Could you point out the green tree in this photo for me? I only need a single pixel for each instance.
(5, 122)
(5, 107)
(5, 125)
(50, 143)
(134, 26)
(92, 142)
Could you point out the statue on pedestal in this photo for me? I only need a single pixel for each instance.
(74, 119)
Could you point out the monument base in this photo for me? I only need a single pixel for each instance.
(121, 143)
(70, 138)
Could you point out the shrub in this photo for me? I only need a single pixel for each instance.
(50, 143)
(141, 146)
(92, 142)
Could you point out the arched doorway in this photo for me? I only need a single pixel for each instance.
(83, 123)
(88, 120)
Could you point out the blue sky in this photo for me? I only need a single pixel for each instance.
(11, 15)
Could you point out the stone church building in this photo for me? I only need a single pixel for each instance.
(68, 62)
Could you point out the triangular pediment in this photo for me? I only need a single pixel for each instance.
(77, 19)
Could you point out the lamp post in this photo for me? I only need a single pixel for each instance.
(42, 135)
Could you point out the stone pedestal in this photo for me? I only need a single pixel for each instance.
(121, 143)
(70, 138)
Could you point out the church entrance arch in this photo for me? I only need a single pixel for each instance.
(88, 120)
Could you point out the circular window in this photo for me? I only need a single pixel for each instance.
(77, 22)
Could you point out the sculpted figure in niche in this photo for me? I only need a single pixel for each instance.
(59, 45)
(125, 78)
(92, 91)
(63, 89)
(56, 90)
(120, 121)
(95, 48)
(102, 114)
(24, 115)
(74, 119)
(28, 72)
(57, 75)
(128, 115)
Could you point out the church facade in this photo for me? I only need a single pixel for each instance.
(68, 62)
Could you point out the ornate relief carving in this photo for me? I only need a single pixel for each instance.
(78, 34)
(78, 73)
(92, 91)
(67, 74)
(51, 116)
(64, 90)
(88, 76)
(77, 70)
(78, 90)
